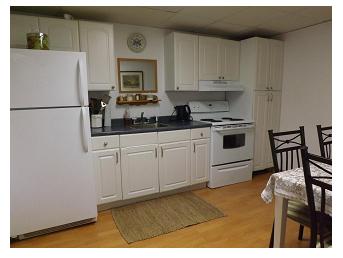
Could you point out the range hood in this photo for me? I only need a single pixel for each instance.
(220, 85)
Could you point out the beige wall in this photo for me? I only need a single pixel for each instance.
(307, 87)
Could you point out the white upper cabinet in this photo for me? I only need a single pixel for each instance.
(20, 25)
(63, 34)
(174, 165)
(276, 64)
(96, 39)
(262, 63)
(230, 60)
(209, 58)
(181, 62)
(218, 59)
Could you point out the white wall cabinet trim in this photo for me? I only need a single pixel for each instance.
(96, 39)
(20, 25)
(62, 34)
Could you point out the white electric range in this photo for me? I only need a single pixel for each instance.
(232, 142)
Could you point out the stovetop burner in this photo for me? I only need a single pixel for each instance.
(211, 120)
(232, 119)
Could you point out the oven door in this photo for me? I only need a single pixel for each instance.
(232, 144)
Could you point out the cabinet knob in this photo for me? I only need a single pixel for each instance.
(223, 77)
(112, 87)
(201, 134)
(105, 144)
(177, 87)
(220, 77)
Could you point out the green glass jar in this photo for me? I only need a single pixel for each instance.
(37, 40)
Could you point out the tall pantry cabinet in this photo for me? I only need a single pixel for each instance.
(261, 73)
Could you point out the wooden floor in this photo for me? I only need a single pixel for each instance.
(247, 224)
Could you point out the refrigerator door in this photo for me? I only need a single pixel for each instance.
(41, 78)
(52, 181)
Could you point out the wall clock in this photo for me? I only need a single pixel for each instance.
(136, 42)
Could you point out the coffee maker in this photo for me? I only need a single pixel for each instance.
(183, 113)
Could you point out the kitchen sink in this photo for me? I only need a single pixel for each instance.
(148, 125)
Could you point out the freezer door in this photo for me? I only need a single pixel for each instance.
(52, 182)
(41, 78)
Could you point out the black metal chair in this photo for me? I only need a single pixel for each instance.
(285, 148)
(324, 181)
(325, 141)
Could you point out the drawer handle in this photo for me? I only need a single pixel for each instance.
(201, 134)
(161, 152)
(117, 158)
(105, 144)
(194, 147)
(155, 152)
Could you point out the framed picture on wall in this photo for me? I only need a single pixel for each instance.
(131, 81)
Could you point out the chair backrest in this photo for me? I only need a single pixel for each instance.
(285, 148)
(325, 141)
(322, 180)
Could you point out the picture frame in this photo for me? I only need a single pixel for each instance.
(131, 81)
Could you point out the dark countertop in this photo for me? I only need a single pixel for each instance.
(117, 127)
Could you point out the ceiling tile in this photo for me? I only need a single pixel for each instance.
(173, 9)
(288, 23)
(211, 12)
(321, 12)
(181, 20)
(252, 16)
(228, 28)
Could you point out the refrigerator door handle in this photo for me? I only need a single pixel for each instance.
(80, 66)
(84, 129)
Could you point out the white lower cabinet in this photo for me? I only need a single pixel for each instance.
(200, 164)
(139, 166)
(174, 165)
(108, 175)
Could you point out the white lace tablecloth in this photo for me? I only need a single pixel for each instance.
(290, 184)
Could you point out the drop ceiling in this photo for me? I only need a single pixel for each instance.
(236, 22)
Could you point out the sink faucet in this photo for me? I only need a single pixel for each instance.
(142, 114)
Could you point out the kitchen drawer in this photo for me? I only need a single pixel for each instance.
(105, 142)
(200, 133)
(137, 139)
(174, 136)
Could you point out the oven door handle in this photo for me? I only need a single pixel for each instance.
(218, 129)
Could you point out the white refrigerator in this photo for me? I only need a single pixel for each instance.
(52, 181)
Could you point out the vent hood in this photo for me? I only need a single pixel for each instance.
(220, 85)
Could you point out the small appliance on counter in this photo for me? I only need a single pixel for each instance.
(97, 110)
(183, 113)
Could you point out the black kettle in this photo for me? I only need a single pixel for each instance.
(183, 113)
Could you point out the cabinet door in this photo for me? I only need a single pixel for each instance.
(186, 62)
(20, 25)
(209, 58)
(276, 64)
(96, 39)
(139, 170)
(174, 165)
(230, 60)
(108, 176)
(261, 135)
(63, 34)
(262, 76)
(273, 122)
(200, 161)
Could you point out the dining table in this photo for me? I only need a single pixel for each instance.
(290, 185)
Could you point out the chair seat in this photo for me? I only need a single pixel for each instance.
(299, 212)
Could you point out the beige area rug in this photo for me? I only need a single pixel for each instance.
(163, 215)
